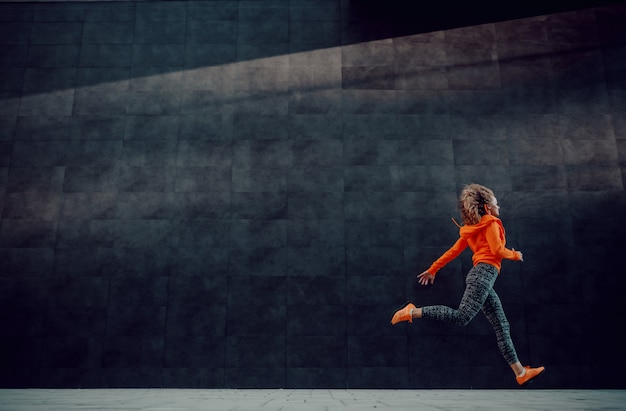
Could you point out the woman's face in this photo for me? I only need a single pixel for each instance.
(493, 208)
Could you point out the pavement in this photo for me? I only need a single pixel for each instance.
(307, 400)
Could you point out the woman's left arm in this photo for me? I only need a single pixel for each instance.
(497, 241)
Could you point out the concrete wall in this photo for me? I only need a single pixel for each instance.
(239, 193)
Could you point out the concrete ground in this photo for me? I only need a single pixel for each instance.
(308, 400)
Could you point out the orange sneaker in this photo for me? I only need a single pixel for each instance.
(403, 314)
(529, 375)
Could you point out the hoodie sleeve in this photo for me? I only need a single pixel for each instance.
(496, 240)
(451, 254)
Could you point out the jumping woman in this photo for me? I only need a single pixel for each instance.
(483, 232)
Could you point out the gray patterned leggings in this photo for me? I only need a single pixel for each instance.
(479, 295)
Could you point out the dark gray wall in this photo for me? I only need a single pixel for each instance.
(239, 193)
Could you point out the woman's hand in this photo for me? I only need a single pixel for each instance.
(426, 278)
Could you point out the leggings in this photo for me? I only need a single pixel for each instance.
(479, 295)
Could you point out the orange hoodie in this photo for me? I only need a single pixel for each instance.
(487, 241)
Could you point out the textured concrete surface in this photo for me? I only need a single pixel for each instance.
(311, 400)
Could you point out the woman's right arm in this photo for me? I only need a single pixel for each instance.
(426, 278)
(453, 252)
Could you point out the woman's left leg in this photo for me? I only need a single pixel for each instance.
(479, 283)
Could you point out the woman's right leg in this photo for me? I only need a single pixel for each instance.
(495, 315)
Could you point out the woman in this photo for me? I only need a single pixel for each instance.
(484, 233)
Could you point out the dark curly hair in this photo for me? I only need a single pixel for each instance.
(472, 202)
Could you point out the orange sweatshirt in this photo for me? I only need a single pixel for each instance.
(487, 241)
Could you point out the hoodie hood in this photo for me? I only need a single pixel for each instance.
(468, 231)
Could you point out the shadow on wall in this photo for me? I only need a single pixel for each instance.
(137, 39)
(374, 19)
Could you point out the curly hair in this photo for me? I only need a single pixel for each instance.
(472, 202)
